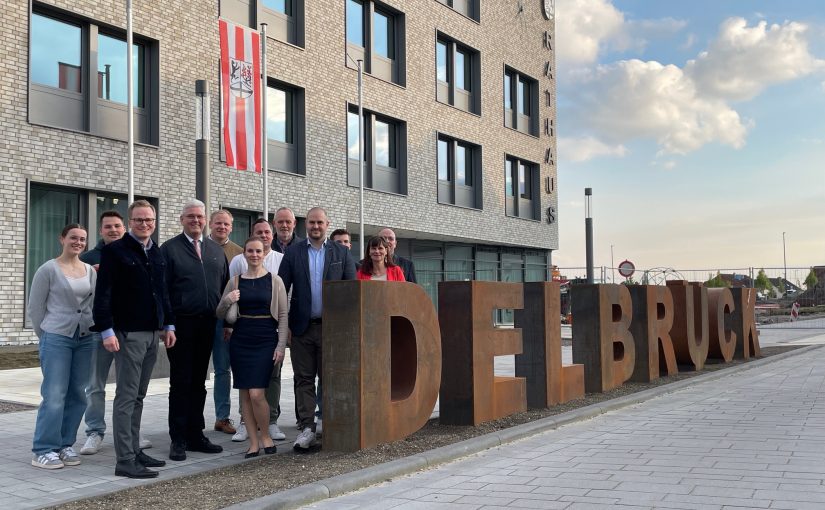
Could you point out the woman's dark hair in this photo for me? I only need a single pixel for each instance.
(69, 227)
(366, 264)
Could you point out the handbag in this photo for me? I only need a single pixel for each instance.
(232, 312)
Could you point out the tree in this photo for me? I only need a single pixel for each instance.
(811, 280)
(716, 281)
(763, 283)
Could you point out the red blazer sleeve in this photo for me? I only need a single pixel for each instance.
(363, 276)
(395, 274)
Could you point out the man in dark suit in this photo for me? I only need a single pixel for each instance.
(131, 306)
(406, 264)
(196, 274)
(304, 268)
(284, 228)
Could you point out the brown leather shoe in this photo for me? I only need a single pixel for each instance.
(225, 426)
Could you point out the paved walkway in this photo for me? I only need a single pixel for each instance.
(23, 486)
(755, 439)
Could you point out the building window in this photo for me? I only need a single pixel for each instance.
(77, 78)
(375, 34)
(242, 225)
(53, 207)
(458, 75)
(285, 127)
(459, 172)
(384, 155)
(469, 8)
(521, 102)
(521, 182)
(284, 18)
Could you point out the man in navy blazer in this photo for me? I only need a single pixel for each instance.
(305, 267)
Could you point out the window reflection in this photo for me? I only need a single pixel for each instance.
(282, 6)
(278, 115)
(441, 61)
(382, 35)
(508, 95)
(355, 23)
(443, 167)
(111, 70)
(55, 53)
(382, 143)
(352, 136)
(508, 177)
(461, 165)
(460, 67)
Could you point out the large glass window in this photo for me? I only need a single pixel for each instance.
(56, 53)
(285, 127)
(111, 70)
(278, 115)
(457, 72)
(523, 91)
(521, 183)
(282, 6)
(355, 22)
(382, 35)
(443, 158)
(508, 178)
(459, 168)
(383, 152)
(50, 210)
(508, 96)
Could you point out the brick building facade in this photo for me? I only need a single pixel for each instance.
(440, 136)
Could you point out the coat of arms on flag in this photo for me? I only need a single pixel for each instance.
(241, 95)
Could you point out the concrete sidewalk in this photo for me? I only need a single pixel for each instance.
(754, 439)
(23, 486)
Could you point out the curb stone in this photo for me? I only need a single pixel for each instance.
(349, 482)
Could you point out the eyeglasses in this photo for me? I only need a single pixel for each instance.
(147, 221)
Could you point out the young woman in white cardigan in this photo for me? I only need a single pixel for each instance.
(60, 308)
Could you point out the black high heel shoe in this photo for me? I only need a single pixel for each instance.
(269, 450)
(249, 455)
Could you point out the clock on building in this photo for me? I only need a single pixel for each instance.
(548, 8)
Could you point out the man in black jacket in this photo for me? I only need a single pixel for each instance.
(196, 274)
(131, 306)
(304, 269)
(405, 264)
(284, 227)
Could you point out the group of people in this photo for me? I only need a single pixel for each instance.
(203, 296)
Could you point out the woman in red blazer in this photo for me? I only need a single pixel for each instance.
(378, 265)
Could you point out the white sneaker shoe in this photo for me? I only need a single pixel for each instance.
(241, 435)
(48, 460)
(319, 427)
(69, 457)
(275, 432)
(144, 443)
(92, 444)
(305, 439)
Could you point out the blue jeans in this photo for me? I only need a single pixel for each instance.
(223, 376)
(96, 391)
(66, 364)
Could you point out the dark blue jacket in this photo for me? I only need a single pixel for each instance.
(130, 294)
(195, 285)
(92, 257)
(294, 271)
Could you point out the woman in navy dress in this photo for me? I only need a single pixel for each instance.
(257, 343)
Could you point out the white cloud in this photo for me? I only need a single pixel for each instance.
(586, 148)
(635, 99)
(742, 61)
(583, 28)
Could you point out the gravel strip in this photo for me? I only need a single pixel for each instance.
(14, 407)
(263, 476)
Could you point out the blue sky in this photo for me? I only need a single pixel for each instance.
(700, 127)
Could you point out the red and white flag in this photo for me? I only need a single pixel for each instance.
(241, 94)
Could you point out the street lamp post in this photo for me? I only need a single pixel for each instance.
(784, 263)
(360, 66)
(202, 169)
(588, 232)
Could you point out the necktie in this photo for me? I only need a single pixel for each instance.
(197, 247)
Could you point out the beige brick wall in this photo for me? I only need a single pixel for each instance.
(189, 48)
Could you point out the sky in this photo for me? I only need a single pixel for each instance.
(700, 127)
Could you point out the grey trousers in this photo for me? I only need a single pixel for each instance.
(273, 394)
(133, 364)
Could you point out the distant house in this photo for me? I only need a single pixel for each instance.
(737, 280)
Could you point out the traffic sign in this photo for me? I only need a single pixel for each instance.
(626, 268)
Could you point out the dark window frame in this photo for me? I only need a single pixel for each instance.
(450, 191)
(468, 8)
(288, 157)
(392, 69)
(514, 117)
(374, 173)
(518, 204)
(85, 111)
(467, 98)
(288, 28)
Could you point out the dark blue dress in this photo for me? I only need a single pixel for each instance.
(254, 339)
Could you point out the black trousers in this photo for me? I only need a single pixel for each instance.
(188, 365)
(305, 352)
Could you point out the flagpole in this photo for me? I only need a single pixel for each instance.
(264, 145)
(130, 116)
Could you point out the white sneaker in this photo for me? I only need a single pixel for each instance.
(49, 460)
(319, 427)
(92, 444)
(275, 432)
(69, 457)
(144, 443)
(241, 435)
(305, 439)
